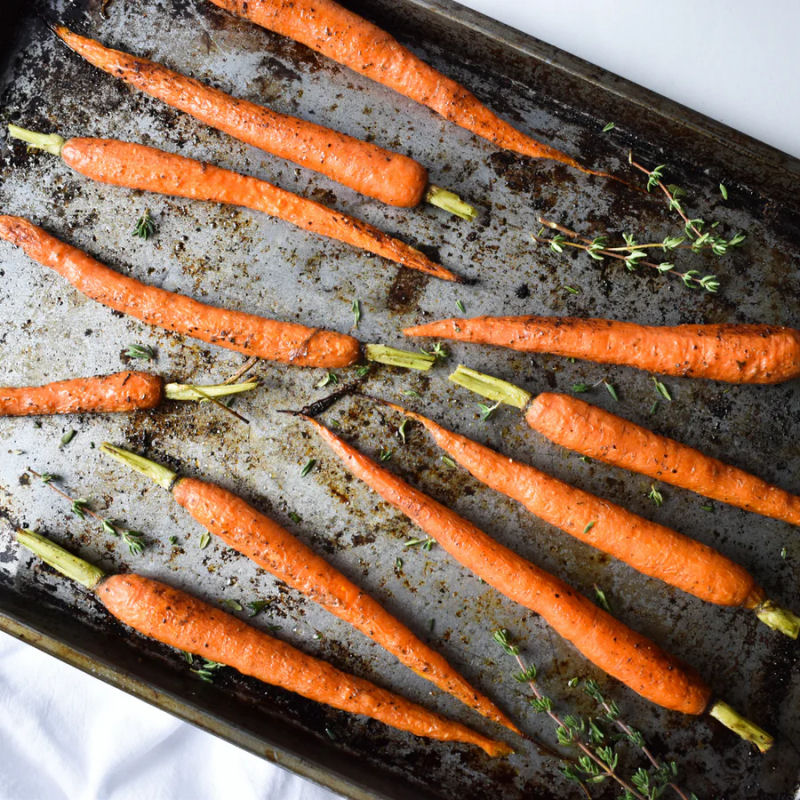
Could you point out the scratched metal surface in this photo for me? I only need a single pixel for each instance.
(245, 260)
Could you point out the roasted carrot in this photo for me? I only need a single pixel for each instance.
(276, 550)
(137, 166)
(343, 36)
(287, 342)
(176, 618)
(599, 434)
(122, 391)
(648, 547)
(387, 176)
(606, 642)
(732, 353)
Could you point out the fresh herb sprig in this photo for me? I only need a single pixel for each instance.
(580, 388)
(427, 544)
(145, 227)
(598, 759)
(651, 782)
(438, 351)
(655, 495)
(80, 507)
(141, 351)
(698, 232)
(203, 668)
(487, 410)
(632, 253)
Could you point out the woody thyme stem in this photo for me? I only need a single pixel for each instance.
(544, 703)
(690, 278)
(668, 193)
(80, 507)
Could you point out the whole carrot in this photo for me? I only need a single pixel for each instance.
(121, 391)
(732, 353)
(176, 618)
(599, 434)
(606, 642)
(648, 547)
(387, 176)
(137, 166)
(273, 548)
(343, 36)
(287, 342)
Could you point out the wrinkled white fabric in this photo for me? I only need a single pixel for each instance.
(67, 736)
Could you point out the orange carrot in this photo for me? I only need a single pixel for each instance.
(615, 648)
(733, 353)
(387, 176)
(648, 547)
(287, 342)
(343, 36)
(176, 618)
(122, 391)
(137, 166)
(599, 434)
(276, 550)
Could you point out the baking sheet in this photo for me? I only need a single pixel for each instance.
(244, 260)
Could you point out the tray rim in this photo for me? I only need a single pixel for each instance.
(16, 624)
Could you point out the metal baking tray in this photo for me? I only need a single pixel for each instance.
(246, 260)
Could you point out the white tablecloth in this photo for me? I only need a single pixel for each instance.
(65, 735)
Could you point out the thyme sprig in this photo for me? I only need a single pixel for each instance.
(663, 771)
(145, 227)
(697, 230)
(598, 759)
(206, 670)
(580, 388)
(80, 507)
(438, 351)
(632, 253)
(141, 351)
(487, 410)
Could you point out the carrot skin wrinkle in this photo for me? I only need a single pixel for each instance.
(387, 176)
(175, 618)
(122, 391)
(579, 426)
(276, 550)
(137, 166)
(343, 36)
(732, 353)
(285, 342)
(615, 648)
(648, 547)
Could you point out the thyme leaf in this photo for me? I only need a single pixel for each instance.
(145, 227)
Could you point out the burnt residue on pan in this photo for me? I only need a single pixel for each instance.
(239, 258)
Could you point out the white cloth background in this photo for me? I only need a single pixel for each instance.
(65, 735)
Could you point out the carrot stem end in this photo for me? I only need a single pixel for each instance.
(189, 391)
(492, 388)
(450, 201)
(156, 472)
(398, 358)
(57, 557)
(49, 142)
(749, 731)
(779, 619)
